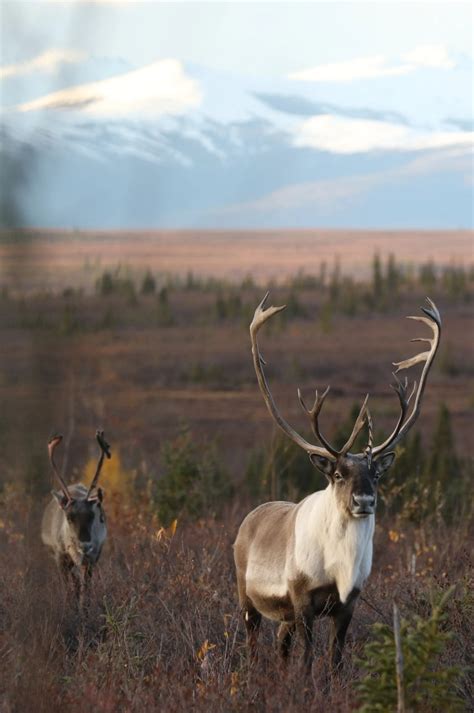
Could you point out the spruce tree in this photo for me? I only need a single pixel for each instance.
(377, 278)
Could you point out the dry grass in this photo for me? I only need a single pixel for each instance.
(164, 632)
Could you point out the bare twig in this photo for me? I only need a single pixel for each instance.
(398, 660)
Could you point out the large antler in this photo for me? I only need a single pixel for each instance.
(260, 317)
(53, 443)
(432, 320)
(104, 451)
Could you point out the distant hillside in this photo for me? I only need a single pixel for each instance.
(233, 151)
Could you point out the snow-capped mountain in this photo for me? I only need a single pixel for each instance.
(103, 144)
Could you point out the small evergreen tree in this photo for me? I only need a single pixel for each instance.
(105, 284)
(193, 482)
(377, 279)
(455, 282)
(148, 286)
(443, 472)
(393, 277)
(430, 686)
(427, 276)
(335, 282)
(402, 488)
(443, 464)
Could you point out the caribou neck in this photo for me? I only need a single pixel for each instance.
(331, 547)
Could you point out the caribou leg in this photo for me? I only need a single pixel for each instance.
(285, 638)
(340, 619)
(252, 619)
(304, 626)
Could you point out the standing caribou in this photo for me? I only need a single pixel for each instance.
(295, 562)
(74, 523)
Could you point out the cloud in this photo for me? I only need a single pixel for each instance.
(343, 135)
(158, 88)
(47, 62)
(434, 56)
(362, 68)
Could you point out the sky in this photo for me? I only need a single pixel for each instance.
(187, 86)
(268, 38)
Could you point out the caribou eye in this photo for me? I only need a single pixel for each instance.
(338, 476)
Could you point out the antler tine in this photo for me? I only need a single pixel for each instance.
(370, 444)
(104, 452)
(53, 443)
(260, 317)
(401, 389)
(433, 321)
(358, 426)
(313, 414)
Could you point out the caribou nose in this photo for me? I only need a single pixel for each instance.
(363, 502)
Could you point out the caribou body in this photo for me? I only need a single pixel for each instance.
(298, 561)
(74, 523)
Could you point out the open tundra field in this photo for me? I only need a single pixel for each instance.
(38, 258)
(161, 360)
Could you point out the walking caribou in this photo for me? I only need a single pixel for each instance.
(295, 562)
(74, 523)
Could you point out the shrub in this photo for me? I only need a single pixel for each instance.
(193, 483)
(164, 315)
(428, 483)
(69, 322)
(113, 284)
(228, 307)
(115, 479)
(281, 471)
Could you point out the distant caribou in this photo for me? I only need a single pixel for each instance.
(74, 523)
(298, 561)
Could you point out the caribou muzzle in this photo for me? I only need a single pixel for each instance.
(363, 505)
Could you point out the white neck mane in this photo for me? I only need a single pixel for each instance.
(332, 547)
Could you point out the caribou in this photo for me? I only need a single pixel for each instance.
(295, 562)
(74, 524)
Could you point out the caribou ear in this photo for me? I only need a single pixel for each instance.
(61, 499)
(383, 463)
(323, 464)
(97, 494)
